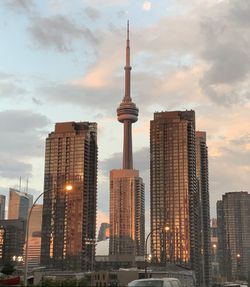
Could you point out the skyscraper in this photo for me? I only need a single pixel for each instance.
(233, 217)
(126, 187)
(203, 189)
(2, 206)
(173, 190)
(19, 204)
(69, 217)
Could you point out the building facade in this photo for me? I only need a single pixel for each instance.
(215, 275)
(19, 204)
(203, 190)
(35, 227)
(69, 217)
(127, 212)
(233, 217)
(174, 191)
(2, 206)
(12, 238)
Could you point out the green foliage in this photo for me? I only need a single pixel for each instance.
(8, 268)
(49, 283)
(83, 282)
(69, 283)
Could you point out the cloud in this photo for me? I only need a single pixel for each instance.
(240, 11)
(92, 13)
(10, 90)
(241, 140)
(67, 93)
(96, 90)
(108, 2)
(229, 171)
(23, 133)
(20, 6)
(147, 6)
(10, 86)
(58, 32)
(12, 168)
(36, 101)
(225, 50)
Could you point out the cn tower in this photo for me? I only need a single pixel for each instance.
(127, 210)
(127, 112)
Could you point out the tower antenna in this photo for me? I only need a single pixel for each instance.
(27, 184)
(20, 183)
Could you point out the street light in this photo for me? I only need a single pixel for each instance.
(238, 265)
(68, 187)
(166, 228)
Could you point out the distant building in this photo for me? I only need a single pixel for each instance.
(34, 251)
(127, 213)
(233, 217)
(12, 237)
(2, 206)
(214, 251)
(69, 217)
(103, 232)
(35, 228)
(179, 193)
(19, 204)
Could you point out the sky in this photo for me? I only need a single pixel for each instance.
(63, 60)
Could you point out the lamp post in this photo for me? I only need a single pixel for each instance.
(68, 187)
(166, 228)
(238, 265)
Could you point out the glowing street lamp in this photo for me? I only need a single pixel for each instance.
(164, 228)
(68, 187)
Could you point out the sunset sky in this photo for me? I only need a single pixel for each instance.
(63, 60)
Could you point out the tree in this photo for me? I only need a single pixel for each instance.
(8, 268)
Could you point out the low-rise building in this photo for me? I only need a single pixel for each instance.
(123, 276)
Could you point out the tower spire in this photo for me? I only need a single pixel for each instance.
(128, 33)
(127, 68)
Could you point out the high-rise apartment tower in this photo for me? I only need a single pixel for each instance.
(126, 187)
(69, 217)
(203, 189)
(233, 217)
(173, 190)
